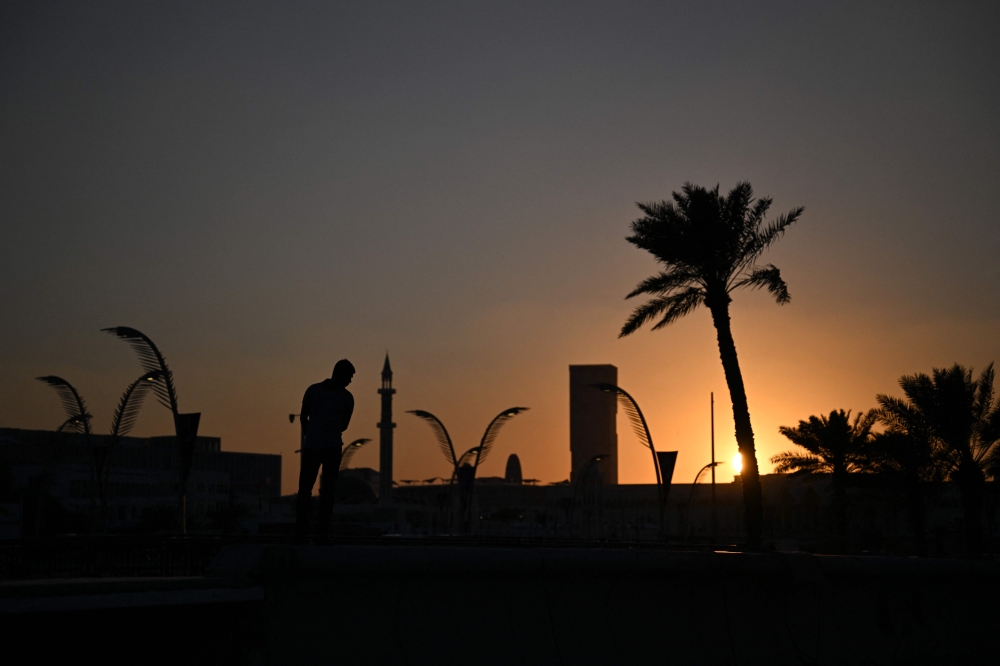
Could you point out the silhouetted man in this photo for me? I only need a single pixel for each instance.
(326, 412)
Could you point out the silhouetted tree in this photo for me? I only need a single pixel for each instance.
(834, 445)
(709, 245)
(905, 457)
(961, 415)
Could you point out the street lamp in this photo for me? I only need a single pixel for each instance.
(641, 430)
(471, 458)
(712, 466)
(349, 450)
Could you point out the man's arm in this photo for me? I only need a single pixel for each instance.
(304, 417)
(348, 410)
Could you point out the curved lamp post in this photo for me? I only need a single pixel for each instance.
(641, 430)
(349, 450)
(78, 421)
(694, 484)
(578, 486)
(443, 438)
(492, 430)
(185, 425)
(474, 456)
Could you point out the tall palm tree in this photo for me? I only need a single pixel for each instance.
(962, 416)
(834, 445)
(709, 246)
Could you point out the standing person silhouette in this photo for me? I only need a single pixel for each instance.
(326, 412)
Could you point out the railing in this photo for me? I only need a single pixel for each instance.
(172, 556)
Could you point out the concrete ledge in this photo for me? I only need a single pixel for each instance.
(120, 600)
(457, 605)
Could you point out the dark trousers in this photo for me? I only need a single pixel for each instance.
(312, 460)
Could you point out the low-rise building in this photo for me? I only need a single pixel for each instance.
(39, 468)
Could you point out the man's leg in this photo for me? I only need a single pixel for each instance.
(327, 492)
(308, 469)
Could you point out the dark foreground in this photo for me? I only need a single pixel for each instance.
(377, 604)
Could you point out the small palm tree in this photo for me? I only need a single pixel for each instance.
(834, 445)
(907, 459)
(961, 416)
(709, 246)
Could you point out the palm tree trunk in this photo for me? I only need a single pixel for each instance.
(971, 484)
(752, 502)
(918, 516)
(840, 507)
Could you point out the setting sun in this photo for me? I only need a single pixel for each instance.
(738, 463)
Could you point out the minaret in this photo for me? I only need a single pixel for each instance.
(385, 427)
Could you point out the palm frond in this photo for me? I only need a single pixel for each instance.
(663, 283)
(440, 432)
(493, 429)
(668, 308)
(790, 461)
(767, 277)
(350, 450)
(897, 414)
(78, 419)
(767, 236)
(151, 360)
(707, 243)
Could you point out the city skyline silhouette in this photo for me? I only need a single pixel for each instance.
(457, 184)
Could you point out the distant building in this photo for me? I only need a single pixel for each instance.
(513, 471)
(385, 427)
(593, 416)
(142, 480)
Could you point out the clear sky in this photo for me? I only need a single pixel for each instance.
(264, 188)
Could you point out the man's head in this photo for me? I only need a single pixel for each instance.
(343, 372)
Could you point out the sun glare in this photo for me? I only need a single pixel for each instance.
(738, 463)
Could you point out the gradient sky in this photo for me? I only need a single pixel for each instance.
(264, 188)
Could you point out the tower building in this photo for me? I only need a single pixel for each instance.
(593, 420)
(385, 427)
